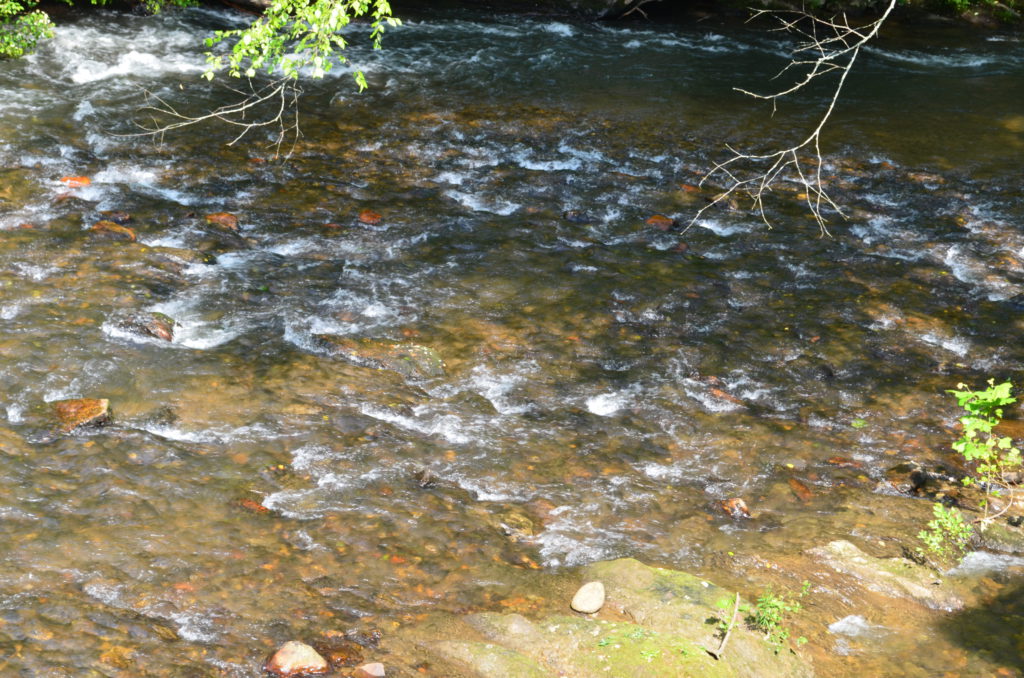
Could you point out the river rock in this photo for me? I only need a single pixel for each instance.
(296, 659)
(110, 230)
(409, 360)
(893, 577)
(1003, 537)
(150, 324)
(224, 220)
(81, 412)
(589, 598)
(373, 670)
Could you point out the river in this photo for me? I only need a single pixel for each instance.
(606, 384)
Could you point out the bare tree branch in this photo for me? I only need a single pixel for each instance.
(275, 104)
(825, 47)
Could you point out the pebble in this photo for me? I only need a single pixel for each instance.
(374, 670)
(589, 598)
(296, 659)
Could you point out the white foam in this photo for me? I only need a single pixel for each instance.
(479, 204)
(132, 63)
(981, 562)
(15, 413)
(606, 404)
(449, 427)
(564, 30)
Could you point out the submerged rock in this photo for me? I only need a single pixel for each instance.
(894, 577)
(589, 598)
(110, 230)
(81, 412)
(409, 360)
(224, 220)
(661, 222)
(296, 659)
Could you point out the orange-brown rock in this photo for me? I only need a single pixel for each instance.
(661, 222)
(224, 220)
(79, 412)
(296, 659)
(802, 492)
(374, 670)
(109, 229)
(736, 507)
(370, 217)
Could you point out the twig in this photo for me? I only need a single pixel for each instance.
(827, 46)
(717, 654)
(281, 96)
(636, 8)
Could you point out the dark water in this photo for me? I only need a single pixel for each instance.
(603, 390)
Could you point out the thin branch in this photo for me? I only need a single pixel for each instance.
(828, 46)
(636, 8)
(717, 654)
(275, 104)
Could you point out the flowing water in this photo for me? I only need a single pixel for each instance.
(606, 384)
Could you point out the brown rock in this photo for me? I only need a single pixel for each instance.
(661, 222)
(370, 217)
(844, 462)
(802, 492)
(736, 507)
(153, 324)
(109, 229)
(374, 670)
(296, 659)
(224, 220)
(77, 412)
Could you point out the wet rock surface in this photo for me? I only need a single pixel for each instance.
(656, 622)
(408, 360)
(78, 413)
(897, 577)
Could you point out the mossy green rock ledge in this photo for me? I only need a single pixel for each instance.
(655, 623)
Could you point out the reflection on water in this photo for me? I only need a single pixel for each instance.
(295, 460)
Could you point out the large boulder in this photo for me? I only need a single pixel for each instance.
(674, 619)
(893, 577)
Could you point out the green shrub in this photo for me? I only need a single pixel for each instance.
(21, 28)
(994, 457)
(771, 611)
(947, 536)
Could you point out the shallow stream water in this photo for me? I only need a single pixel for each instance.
(605, 387)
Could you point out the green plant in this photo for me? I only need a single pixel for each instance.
(947, 536)
(21, 30)
(292, 35)
(771, 611)
(994, 457)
